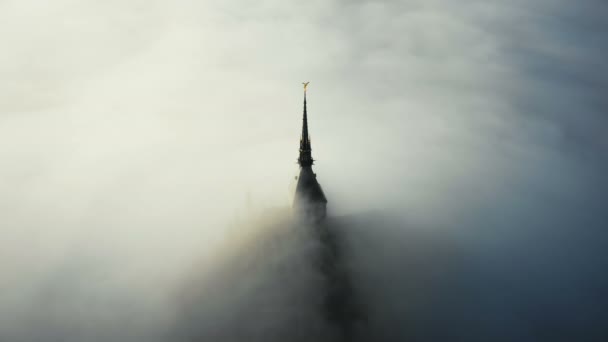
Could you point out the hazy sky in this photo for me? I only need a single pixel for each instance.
(186, 97)
(135, 129)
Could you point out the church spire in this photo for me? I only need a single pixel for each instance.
(309, 200)
(305, 159)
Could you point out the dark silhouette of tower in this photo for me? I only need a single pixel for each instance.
(309, 201)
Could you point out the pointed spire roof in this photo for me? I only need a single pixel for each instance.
(308, 189)
(305, 158)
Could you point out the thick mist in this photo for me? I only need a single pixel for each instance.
(146, 151)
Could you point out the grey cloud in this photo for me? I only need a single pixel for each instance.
(131, 132)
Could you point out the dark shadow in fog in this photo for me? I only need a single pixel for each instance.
(346, 279)
(376, 277)
(366, 277)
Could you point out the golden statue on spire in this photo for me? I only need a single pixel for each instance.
(305, 85)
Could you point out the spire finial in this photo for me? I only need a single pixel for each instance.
(305, 86)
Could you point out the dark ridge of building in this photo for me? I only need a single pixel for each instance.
(309, 201)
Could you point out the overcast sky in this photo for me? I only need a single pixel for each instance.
(184, 97)
(142, 127)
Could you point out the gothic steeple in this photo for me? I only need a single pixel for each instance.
(309, 201)
(305, 159)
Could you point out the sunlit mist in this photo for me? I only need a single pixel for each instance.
(150, 152)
